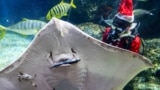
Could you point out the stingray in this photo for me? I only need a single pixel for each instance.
(62, 57)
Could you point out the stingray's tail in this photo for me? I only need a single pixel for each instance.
(2, 31)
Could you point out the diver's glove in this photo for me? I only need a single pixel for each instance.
(125, 34)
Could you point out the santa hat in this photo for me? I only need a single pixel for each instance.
(125, 11)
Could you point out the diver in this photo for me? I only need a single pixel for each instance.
(123, 30)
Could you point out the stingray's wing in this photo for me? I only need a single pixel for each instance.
(101, 66)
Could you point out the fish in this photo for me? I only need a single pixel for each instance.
(60, 10)
(93, 64)
(24, 27)
(141, 12)
(2, 32)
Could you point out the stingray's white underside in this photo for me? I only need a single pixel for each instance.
(102, 67)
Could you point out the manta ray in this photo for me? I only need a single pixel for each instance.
(63, 57)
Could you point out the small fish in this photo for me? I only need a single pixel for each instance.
(140, 12)
(25, 27)
(60, 10)
(2, 31)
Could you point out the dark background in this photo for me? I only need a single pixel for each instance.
(150, 25)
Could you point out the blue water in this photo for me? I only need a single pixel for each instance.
(11, 47)
(12, 11)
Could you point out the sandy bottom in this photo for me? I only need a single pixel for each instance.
(12, 46)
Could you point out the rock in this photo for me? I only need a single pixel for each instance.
(92, 29)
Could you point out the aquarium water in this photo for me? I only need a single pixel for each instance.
(11, 47)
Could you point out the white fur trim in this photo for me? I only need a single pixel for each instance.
(125, 17)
